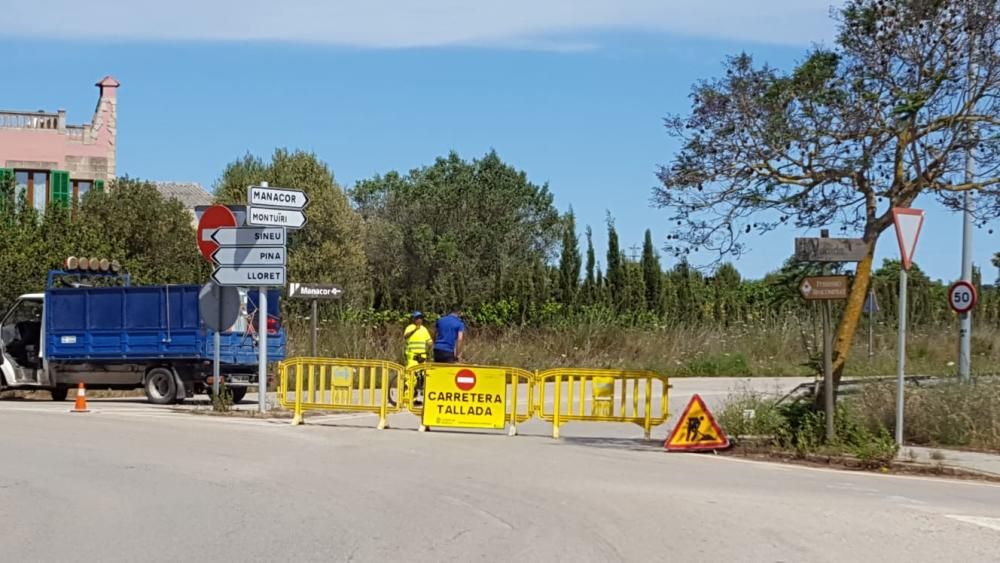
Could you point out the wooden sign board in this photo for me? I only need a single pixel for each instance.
(830, 249)
(824, 287)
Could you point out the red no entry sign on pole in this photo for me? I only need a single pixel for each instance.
(214, 217)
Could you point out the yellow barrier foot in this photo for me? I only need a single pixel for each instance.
(555, 432)
(423, 428)
(512, 431)
(297, 420)
(383, 424)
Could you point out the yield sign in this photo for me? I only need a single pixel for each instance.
(908, 223)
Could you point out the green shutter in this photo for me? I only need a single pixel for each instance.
(59, 185)
(99, 185)
(6, 187)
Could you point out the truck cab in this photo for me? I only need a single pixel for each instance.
(21, 343)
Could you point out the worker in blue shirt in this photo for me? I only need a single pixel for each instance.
(449, 334)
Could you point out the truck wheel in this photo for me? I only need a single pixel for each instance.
(161, 388)
(59, 393)
(238, 394)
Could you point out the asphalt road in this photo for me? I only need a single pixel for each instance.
(132, 483)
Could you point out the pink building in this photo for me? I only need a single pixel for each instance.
(52, 162)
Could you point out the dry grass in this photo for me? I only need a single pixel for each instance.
(946, 414)
(740, 350)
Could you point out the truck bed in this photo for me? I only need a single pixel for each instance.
(140, 323)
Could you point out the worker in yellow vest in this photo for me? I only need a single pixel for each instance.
(418, 340)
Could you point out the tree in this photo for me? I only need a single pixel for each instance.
(569, 262)
(456, 231)
(131, 222)
(615, 275)
(151, 236)
(331, 247)
(883, 117)
(590, 281)
(652, 274)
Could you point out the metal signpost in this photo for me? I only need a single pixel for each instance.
(314, 291)
(252, 256)
(219, 308)
(908, 224)
(265, 201)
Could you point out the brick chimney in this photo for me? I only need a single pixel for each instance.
(104, 127)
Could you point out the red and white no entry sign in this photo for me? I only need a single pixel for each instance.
(465, 379)
(213, 218)
(962, 297)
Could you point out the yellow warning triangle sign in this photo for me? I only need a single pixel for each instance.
(696, 430)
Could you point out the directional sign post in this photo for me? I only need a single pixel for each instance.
(249, 276)
(828, 250)
(249, 236)
(276, 207)
(281, 198)
(250, 256)
(818, 288)
(267, 217)
(908, 224)
(314, 291)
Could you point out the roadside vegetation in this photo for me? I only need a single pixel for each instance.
(938, 414)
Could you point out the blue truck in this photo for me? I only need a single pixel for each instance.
(126, 337)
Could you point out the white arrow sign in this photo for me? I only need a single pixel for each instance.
(266, 217)
(277, 197)
(248, 236)
(249, 256)
(249, 276)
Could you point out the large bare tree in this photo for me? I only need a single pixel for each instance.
(883, 117)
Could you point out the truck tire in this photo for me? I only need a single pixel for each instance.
(238, 394)
(59, 393)
(161, 387)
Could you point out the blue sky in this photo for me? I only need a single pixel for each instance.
(573, 93)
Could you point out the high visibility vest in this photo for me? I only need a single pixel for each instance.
(416, 343)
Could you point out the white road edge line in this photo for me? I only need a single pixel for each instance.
(984, 521)
(842, 472)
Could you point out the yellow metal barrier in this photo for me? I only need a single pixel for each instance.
(337, 384)
(517, 411)
(615, 396)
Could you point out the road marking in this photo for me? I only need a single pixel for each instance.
(984, 521)
(779, 466)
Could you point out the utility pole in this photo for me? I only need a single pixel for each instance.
(965, 319)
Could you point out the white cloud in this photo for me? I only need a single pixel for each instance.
(525, 24)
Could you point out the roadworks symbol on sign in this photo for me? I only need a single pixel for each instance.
(697, 430)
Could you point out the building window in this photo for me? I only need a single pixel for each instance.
(81, 188)
(33, 185)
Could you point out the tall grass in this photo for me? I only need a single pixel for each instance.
(946, 414)
(785, 348)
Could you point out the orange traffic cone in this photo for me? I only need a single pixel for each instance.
(81, 399)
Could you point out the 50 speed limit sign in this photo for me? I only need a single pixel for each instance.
(962, 296)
